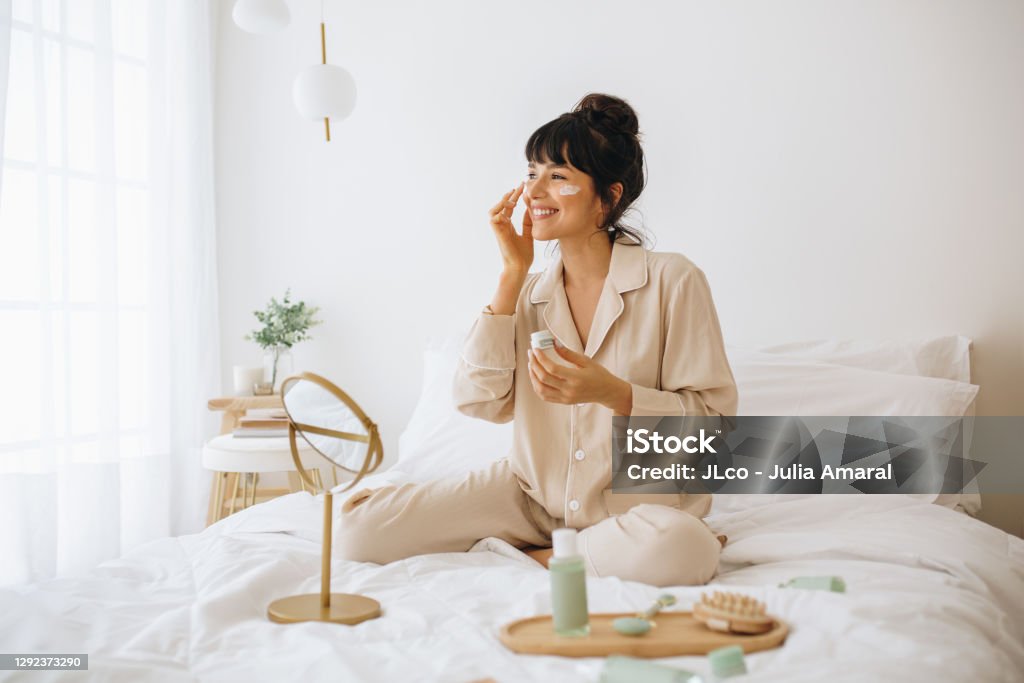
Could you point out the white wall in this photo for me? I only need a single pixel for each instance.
(838, 169)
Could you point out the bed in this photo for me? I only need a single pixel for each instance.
(932, 593)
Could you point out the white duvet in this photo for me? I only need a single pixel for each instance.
(932, 595)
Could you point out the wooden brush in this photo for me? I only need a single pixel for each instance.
(732, 613)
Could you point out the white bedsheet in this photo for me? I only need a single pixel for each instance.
(931, 595)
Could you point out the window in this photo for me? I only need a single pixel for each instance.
(74, 240)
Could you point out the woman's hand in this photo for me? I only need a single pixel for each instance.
(516, 249)
(584, 382)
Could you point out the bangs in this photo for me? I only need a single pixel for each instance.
(563, 140)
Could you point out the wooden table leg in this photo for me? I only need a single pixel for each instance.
(234, 493)
(213, 513)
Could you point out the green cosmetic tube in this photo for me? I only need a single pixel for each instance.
(619, 669)
(821, 583)
(568, 586)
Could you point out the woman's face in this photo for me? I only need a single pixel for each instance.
(561, 200)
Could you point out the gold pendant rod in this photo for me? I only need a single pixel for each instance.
(323, 60)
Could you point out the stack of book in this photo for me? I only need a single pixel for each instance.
(262, 423)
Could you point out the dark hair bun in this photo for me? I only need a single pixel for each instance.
(608, 113)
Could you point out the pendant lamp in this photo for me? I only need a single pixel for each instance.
(261, 16)
(324, 91)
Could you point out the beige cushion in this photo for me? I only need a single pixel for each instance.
(227, 453)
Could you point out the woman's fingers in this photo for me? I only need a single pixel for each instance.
(510, 203)
(578, 359)
(508, 200)
(499, 219)
(497, 208)
(545, 370)
(528, 218)
(548, 365)
(516, 194)
(502, 211)
(543, 390)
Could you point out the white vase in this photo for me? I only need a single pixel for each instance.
(277, 365)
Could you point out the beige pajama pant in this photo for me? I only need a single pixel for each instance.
(653, 544)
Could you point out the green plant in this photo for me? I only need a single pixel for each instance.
(284, 325)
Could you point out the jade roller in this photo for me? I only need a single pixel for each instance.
(642, 622)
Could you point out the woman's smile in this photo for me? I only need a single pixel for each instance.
(541, 213)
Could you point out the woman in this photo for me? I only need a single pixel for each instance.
(641, 337)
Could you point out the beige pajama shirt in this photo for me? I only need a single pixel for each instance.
(656, 327)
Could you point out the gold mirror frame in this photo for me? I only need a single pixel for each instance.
(375, 451)
(338, 608)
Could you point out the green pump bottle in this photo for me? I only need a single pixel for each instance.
(568, 586)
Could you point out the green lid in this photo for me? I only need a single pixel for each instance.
(727, 661)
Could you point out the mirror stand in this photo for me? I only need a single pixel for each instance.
(338, 608)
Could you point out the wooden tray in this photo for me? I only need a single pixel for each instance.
(676, 633)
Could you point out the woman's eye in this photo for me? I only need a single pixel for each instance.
(530, 176)
(557, 177)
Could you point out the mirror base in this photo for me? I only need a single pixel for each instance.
(345, 609)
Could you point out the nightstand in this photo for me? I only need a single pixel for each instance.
(234, 460)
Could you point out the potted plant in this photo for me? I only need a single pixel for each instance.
(284, 325)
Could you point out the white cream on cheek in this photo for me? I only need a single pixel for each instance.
(568, 189)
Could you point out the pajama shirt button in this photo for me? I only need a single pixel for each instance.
(580, 455)
(574, 505)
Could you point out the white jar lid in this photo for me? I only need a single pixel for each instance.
(542, 339)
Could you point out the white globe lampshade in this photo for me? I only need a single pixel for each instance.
(261, 16)
(324, 91)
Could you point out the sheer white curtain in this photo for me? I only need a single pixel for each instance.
(5, 54)
(108, 320)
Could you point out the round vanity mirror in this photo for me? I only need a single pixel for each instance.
(336, 427)
(333, 424)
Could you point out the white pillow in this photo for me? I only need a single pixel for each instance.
(439, 441)
(945, 357)
(777, 384)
